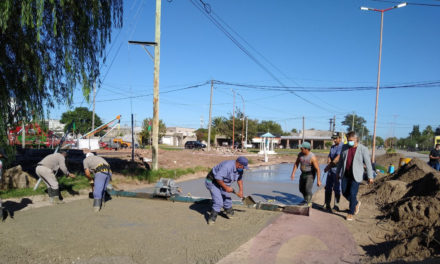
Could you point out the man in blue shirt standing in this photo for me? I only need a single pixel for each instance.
(219, 181)
(332, 182)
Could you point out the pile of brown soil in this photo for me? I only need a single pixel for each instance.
(410, 204)
(386, 159)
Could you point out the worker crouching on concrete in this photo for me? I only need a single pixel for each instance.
(219, 181)
(46, 170)
(103, 174)
(309, 168)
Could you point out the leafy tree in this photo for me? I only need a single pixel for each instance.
(359, 124)
(82, 118)
(390, 142)
(270, 126)
(379, 141)
(147, 130)
(202, 134)
(415, 133)
(294, 130)
(47, 47)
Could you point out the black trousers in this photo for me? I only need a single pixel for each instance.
(306, 185)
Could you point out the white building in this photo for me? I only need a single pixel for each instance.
(178, 136)
(56, 126)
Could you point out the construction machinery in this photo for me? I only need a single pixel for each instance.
(35, 136)
(121, 143)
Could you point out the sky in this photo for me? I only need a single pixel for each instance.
(285, 43)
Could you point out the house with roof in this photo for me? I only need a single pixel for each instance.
(317, 139)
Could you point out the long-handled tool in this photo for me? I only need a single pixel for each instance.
(248, 201)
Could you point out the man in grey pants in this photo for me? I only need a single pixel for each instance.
(354, 156)
(46, 170)
(309, 168)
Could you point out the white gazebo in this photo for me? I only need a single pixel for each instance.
(267, 143)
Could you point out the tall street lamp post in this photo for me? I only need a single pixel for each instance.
(382, 11)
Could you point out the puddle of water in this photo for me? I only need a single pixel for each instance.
(277, 173)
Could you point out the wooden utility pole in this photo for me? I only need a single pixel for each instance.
(242, 127)
(23, 136)
(155, 146)
(132, 139)
(352, 123)
(210, 120)
(94, 95)
(233, 120)
(304, 131)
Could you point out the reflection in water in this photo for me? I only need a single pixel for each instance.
(277, 173)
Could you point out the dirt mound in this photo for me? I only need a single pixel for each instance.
(410, 201)
(387, 159)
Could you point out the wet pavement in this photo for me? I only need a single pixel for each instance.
(265, 184)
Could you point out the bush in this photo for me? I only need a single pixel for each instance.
(391, 150)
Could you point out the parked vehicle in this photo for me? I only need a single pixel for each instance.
(194, 145)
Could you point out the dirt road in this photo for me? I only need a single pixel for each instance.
(126, 231)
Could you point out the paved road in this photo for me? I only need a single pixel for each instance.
(408, 154)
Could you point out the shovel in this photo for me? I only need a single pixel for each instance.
(248, 201)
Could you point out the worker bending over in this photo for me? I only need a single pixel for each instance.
(46, 170)
(101, 169)
(219, 181)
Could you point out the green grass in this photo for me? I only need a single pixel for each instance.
(14, 193)
(67, 185)
(152, 176)
(391, 150)
(166, 147)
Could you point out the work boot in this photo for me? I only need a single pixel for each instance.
(308, 199)
(337, 198)
(212, 217)
(229, 213)
(55, 196)
(97, 205)
(328, 198)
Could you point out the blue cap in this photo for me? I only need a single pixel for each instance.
(243, 161)
(305, 145)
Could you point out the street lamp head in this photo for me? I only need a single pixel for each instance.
(401, 5)
(364, 8)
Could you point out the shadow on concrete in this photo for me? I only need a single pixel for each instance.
(203, 207)
(283, 197)
(11, 207)
(69, 189)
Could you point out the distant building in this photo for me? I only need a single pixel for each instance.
(317, 139)
(178, 136)
(56, 126)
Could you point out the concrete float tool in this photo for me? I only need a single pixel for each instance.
(248, 200)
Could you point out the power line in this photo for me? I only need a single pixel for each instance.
(207, 13)
(427, 84)
(163, 92)
(409, 3)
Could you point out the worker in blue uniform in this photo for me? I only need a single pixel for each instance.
(219, 181)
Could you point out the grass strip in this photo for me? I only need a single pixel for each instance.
(153, 176)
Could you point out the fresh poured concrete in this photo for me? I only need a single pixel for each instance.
(265, 183)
